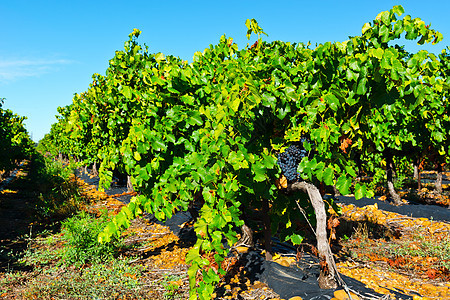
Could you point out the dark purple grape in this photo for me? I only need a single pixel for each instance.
(289, 160)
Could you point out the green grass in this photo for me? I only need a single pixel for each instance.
(80, 234)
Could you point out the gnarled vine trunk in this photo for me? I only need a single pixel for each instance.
(417, 176)
(129, 184)
(419, 181)
(438, 182)
(94, 169)
(390, 183)
(336, 191)
(267, 230)
(327, 277)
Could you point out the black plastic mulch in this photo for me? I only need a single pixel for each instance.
(301, 280)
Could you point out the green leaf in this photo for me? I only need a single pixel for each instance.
(249, 29)
(378, 53)
(122, 219)
(324, 132)
(437, 136)
(398, 9)
(319, 170)
(158, 145)
(360, 190)
(126, 91)
(385, 18)
(172, 90)
(350, 171)
(312, 164)
(218, 131)
(333, 101)
(354, 65)
(234, 104)
(283, 111)
(171, 138)
(351, 76)
(269, 101)
(195, 118)
(290, 94)
(296, 239)
(109, 231)
(144, 174)
(362, 87)
(137, 156)
(343, 184)
(328, 176)
(384, 34)
(189, 100)
(366, 27)
(370, 193)
(259, 170)
(159, 57)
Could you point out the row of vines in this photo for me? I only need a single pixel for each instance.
(15, 143)
(212, 129)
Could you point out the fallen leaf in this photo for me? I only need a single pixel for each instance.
(431, 273)
(342, 295)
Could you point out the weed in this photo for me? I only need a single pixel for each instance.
(58, 196)
(80, 234)
(39, 257)
(416, 250)
(378, 179)
(171, 284)
(425, 247)
(400, 181)
(11, 279)
(361, 232)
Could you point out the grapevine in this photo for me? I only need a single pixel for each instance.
(15, 142)
(219, 126)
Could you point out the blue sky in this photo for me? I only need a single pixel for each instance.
(50, 49)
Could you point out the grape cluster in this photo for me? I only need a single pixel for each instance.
(289, 160)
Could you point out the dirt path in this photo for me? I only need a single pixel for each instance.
(16, 216)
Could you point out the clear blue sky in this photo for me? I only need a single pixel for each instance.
(50, 49)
